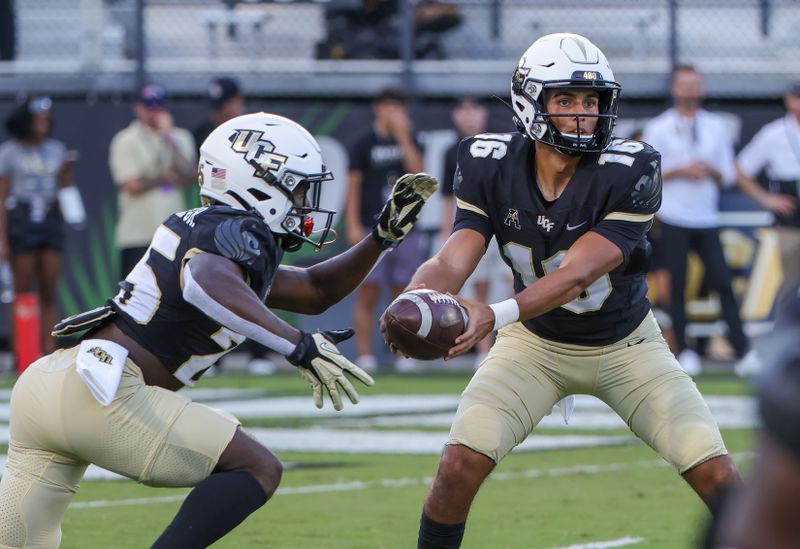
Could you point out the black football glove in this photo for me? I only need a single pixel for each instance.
(320, 362)
(402, 209)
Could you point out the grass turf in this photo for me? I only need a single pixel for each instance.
(533, 500)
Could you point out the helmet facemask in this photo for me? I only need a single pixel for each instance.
(299, 222)
(541, 126)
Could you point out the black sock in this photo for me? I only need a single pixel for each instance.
(215, 507)
(435, 535)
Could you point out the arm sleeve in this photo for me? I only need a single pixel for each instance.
(469, 187)
(627, 223)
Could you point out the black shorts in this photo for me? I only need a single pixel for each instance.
(26, 236)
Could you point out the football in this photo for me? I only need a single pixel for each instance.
(424, 324)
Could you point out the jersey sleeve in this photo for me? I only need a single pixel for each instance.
(627, 220)
(470, 182)
(243, 239)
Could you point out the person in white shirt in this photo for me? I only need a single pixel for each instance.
(697, 161)
(775, 149)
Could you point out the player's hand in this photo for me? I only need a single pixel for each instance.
(323, 365)
(402, 209)
(481, 324)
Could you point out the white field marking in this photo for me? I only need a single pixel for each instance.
(730, 411)
(356, 485)
(383, 442)
(604, 544)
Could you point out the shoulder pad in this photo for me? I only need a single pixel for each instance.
(646, 192)
(235, 239)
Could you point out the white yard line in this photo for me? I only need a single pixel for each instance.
(585, 469)
(605, 544)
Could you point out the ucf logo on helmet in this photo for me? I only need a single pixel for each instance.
(257, 151)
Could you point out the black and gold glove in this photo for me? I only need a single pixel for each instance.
(402, 209)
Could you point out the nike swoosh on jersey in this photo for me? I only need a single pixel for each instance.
(573, 227)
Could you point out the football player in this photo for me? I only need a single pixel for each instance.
(207, 282)
(569, 206)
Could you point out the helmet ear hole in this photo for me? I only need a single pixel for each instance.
(260, 195)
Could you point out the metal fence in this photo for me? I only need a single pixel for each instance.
(342, 48)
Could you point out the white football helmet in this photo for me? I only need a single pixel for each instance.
(563, 60)
(271, 165)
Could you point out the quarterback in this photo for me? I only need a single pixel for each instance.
(207, 282)
(569, 206)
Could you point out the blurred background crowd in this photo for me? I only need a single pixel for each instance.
(106, 102)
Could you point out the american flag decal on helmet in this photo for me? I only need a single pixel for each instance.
(218, 177)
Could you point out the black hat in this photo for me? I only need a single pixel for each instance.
(220, 90)
(392, 93)
(793, 89)
(465, 100)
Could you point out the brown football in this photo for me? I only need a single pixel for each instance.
(424, 324)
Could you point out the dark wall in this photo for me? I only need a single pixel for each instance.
(90, 266)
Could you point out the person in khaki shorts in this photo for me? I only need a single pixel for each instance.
(206, 283)
(569, 207)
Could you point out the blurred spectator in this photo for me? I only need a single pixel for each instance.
(226, 101)
(697, 160)
(775, 149)
(387, 151)
(374, 31)
(150, 161)
(764, 511)
(8, 31)
(658, 281)
(470, 117)
(33, 167)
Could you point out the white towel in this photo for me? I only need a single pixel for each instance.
(99, 364)
(567, 405)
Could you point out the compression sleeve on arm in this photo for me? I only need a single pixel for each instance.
(194, 294)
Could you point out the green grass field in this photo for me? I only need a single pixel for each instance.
(543, 499)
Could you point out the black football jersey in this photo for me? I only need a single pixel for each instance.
(150, 306)
(614, 194)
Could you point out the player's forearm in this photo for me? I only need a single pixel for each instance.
(438, 275)
(551, 291)
(225, 298)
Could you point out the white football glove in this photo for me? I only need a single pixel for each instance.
(402, 209)
(320, 362)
